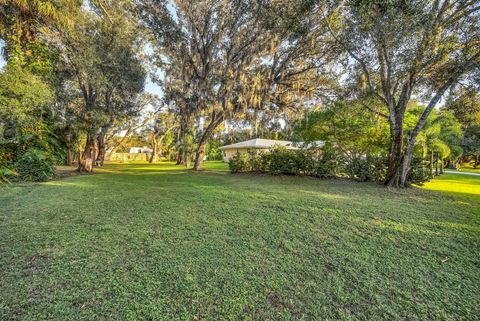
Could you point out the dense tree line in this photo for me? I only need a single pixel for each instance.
(394, 80)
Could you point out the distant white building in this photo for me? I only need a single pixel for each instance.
(139, 150)
(258, 144)
(262, 145)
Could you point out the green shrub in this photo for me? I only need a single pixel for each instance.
(324, 163)
(286, 162)
(264, 162)
(35, 166)
(419, 172)
(366, 168)
(327, 163)
(254, 161)
(239, 163)
(379, 165)
(7, 174)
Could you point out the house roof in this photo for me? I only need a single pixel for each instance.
(260, 143)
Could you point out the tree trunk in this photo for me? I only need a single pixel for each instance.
(153, 158)
(441, 164)
(69, 157)
(395, 155)
(86, 159)
(182, 139)
(399, 163)
(431, 163)
(180, 158)
(68, 140)
(216, 119)
(436, 164)
(101, 146)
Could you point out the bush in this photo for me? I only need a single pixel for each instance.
(7, 174)
(419, 173)
(367, 168)
(35, 166)
(290, 162)
(324, 163)
(239, 163)
(327, 164)
(281, 161)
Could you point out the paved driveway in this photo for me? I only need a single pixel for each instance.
(462, 173)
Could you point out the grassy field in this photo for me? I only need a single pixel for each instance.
(156, 242)
(469, 168)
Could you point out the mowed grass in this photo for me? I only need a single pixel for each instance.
(157, 242)
(469, 168)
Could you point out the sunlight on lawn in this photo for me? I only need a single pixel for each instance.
(455, 183)
(469, 168)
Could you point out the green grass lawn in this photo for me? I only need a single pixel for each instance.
(156, 242)
(469, 168)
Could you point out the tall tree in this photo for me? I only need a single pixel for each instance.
(164, 123)
(121, 66)
(225, 59)
(464, 103)
(405, 49)
(100, 52)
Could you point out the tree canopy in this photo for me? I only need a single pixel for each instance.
(368, 76)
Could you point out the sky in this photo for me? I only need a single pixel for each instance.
(2, 61)
(153, 88)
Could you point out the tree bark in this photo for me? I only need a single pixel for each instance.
(68, 139)
(406, 157)
(215, 120)
(153, 158)
(395, 155)
(86, 159)
(182, 154)
(182, 157)
(101, 145)
(69, 157)
(441, 164)
(431, 163)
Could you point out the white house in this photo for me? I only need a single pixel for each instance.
(258, 144)
(139, 150)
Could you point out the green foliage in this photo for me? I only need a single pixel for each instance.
(328, 164)
(289, 162)
(361, 137)
(160, 243)
(348, 125)
(27, 120)
(323, 163)
(239, 163)
(419, 172)
(35, 166)
(7, 174)
(465, 105)
(367, 168)
(281, 161)
(213, 151)
(24, 97)
(471, 143)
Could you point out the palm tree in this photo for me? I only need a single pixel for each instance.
(21, 21)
